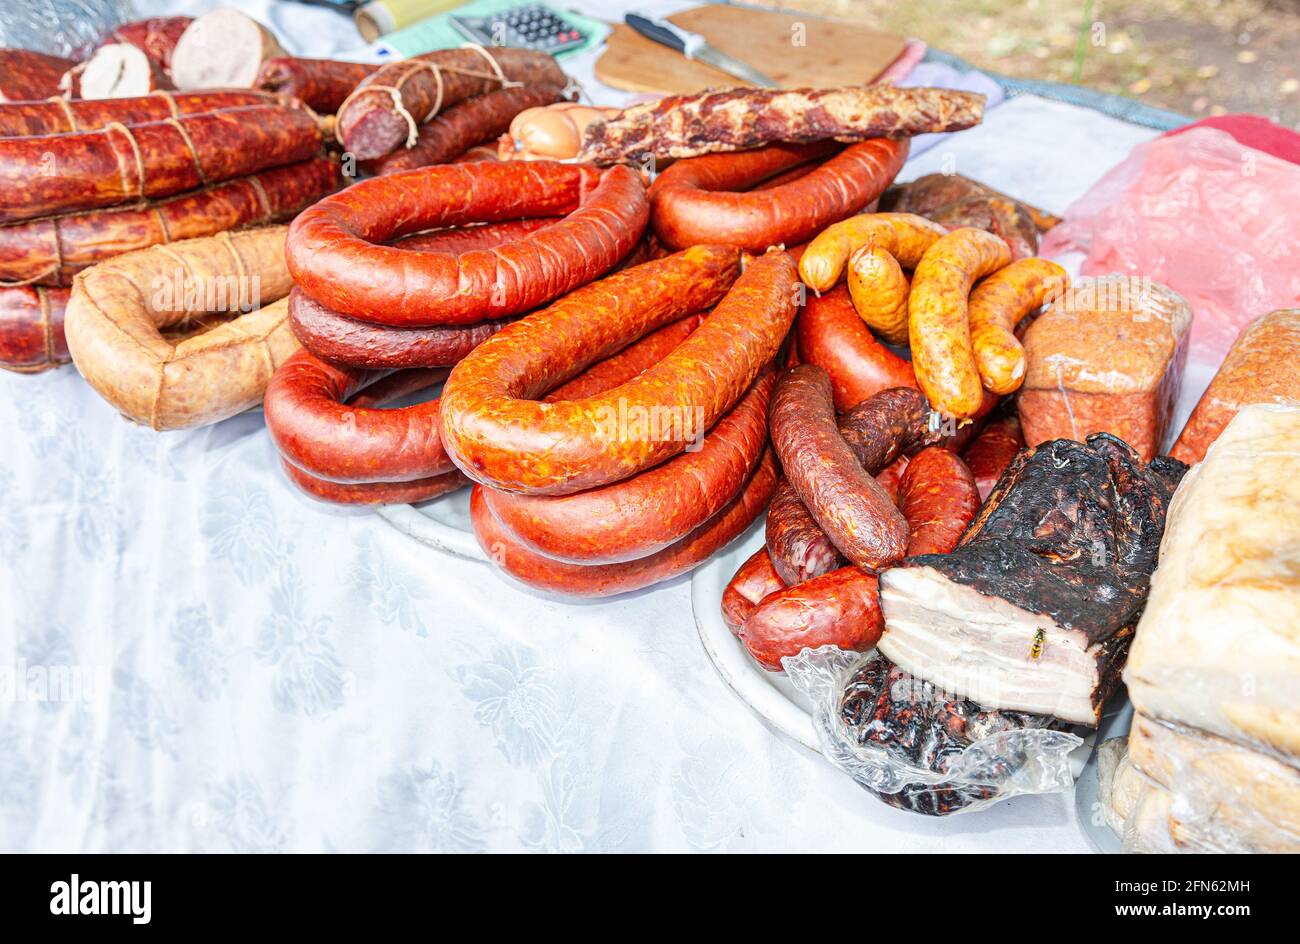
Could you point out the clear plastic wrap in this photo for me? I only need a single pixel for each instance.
(1216, 663)
(975, 758)
(1109, 357)
(1262, 367)
(67, 28)
(1218, 645)
(1167, 788)
(1215, 220)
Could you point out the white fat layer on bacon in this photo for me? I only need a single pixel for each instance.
(984, 648)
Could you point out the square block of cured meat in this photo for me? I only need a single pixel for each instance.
(1108, 357)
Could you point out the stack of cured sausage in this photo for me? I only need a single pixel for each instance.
(884, 458)
(473, 246)
(618, 434)
(83, 181)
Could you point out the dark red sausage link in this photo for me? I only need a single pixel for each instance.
(877, 431)
(799, 548)
(842, 607)
(85, 170)
(939, 499)
(835, 485)
(462, 126)
(992, 451)
(696, 200)
(334, 258)
(56, 116)
(599, 580)
(831, 335)
(31, 329)
(649, 511)
(51, 251)
(320, 84)
(27, 75)
(755, 579)
(371, 123)
(374, 493)
(342, 340)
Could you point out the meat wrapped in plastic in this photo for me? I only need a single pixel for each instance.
(1214, 220)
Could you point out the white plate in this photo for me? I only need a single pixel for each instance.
(442, 524)
(1116, 722)
(769, 694)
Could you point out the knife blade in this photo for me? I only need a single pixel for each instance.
(694, 46)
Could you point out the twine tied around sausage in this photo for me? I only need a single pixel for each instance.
(423, 65)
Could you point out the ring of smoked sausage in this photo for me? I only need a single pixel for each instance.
(335, 258)
(500, 436)
(374, 493)
(651, 510)
(599, 580)
(382, 391)
(343, 340)
(316, 429)
(118, 310)
(329, 432)
(696, 200)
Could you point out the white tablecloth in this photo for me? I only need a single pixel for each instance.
(207, 661)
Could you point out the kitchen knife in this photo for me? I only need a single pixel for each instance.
(694, 46)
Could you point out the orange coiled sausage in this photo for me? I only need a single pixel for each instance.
(599, 580)
(498, 433)
(697, 200)
(326, 431)
(334, 257)
(649, 511)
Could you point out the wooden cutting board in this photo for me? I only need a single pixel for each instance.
(830, 52)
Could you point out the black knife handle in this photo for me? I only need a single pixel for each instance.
(652, 30)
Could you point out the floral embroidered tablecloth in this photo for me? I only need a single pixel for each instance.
(198, 658)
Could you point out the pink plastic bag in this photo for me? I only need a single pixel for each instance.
(1216, 221)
